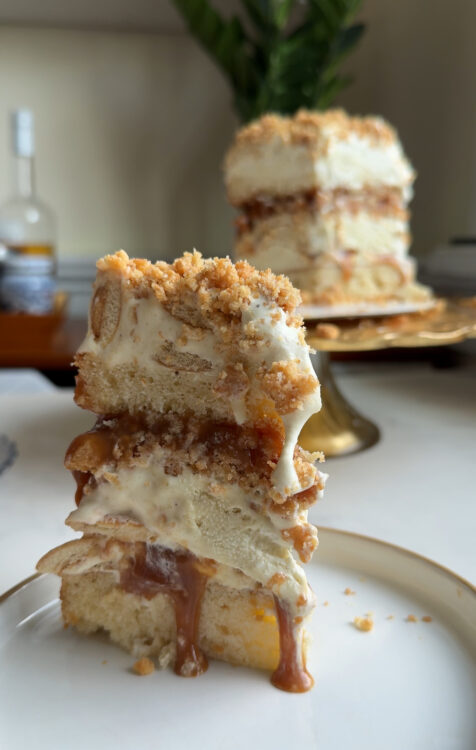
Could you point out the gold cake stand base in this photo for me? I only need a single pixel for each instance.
(338, 429)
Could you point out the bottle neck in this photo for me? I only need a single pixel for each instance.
(25, 176)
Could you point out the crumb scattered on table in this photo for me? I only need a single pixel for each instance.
(325, 604)
(390, 617)
(411, 618)
(327, 331)
(363, 623)
(362, 578)
(104, 661)
(348, 591)
(143, 666)
(427, 618)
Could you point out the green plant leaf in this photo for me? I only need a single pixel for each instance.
(226, 41)
(274, 68)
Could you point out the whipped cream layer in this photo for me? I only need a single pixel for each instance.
(276, 167)
(357, 163)
(211, 519)
(149, 337)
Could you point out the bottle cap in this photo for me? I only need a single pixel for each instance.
(23, 126)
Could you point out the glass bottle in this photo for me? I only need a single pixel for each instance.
(27, 231)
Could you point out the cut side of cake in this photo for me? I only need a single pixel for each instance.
(323, 198)
(192, 492)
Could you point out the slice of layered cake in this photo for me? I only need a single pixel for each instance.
(192, 491)
(324, 199)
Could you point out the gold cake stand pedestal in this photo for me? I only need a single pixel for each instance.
(338, 429)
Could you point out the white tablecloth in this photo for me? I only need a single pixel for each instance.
(415, 488)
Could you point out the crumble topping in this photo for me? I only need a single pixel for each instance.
(220, 288)
(306, 128)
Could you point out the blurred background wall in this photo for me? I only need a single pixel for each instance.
(132, 119)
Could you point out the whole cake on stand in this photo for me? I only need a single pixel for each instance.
(323, 198)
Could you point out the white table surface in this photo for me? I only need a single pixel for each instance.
(415, 488)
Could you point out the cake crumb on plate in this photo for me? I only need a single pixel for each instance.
(143, 666)
(363, 623)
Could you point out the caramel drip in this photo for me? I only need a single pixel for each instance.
(125, 436)
(93, 448)
(155, 570)
(81, 478)
(380, 202)
(291, 674)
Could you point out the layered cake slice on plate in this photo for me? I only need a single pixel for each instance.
(323, 198)
(192, 491)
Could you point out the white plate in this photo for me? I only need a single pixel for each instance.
(403, 685)
(362, 310)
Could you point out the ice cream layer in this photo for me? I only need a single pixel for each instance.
(278, 156)
(210, 519)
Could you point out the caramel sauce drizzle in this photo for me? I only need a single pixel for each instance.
(370, 200)
(155, 570)
(244, 446)
(291, 674)
(81, 478)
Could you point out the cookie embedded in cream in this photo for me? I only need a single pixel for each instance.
(323, 198)
(192, 491)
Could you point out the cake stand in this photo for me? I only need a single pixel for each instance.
(338, 429)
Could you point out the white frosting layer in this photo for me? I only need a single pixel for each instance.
(356, 163)
(272, 168)
(211, 520)
(144, 327)
(277, 167)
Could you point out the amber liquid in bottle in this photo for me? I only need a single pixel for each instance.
(27, 232)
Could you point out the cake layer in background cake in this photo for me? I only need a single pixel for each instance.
(347, 278)
(294, 241)
(282, 156)
(323, 199)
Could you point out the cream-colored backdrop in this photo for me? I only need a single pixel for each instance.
(131, 128)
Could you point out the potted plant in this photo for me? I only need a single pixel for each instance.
(278, 55)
